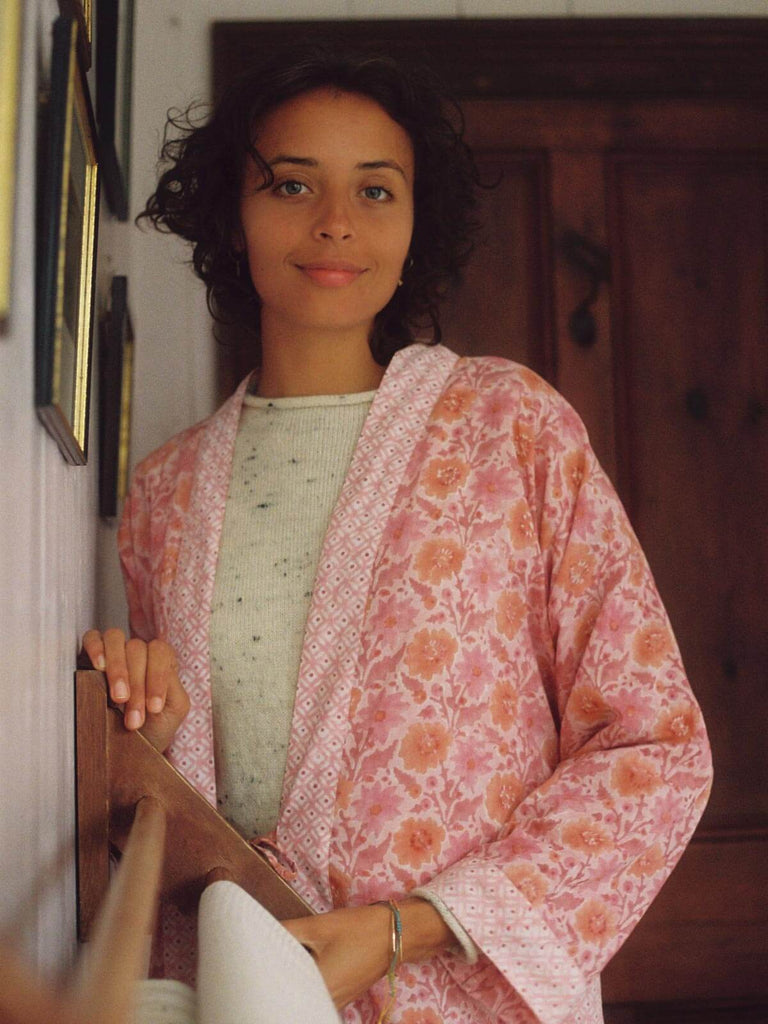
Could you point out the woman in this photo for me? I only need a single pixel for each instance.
(410, 617)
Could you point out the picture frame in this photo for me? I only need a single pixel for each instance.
(82, 12)
(116, 357)
(10, 41)
(68, 227)
(114, 68)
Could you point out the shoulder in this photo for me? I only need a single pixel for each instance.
(503, 394)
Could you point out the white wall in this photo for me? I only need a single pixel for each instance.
(48, 540)
(47, 559)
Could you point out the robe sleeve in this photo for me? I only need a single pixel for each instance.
(585, 853)
(134, 548)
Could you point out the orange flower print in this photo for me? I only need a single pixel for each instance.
(443, 476)
(453, 404)
(649, 862)
(652, 644)
(596, 922)
(418, 842)
(577, 570)
(503, 796)
(574, 471)
(677, 724)
(635, 775)
(588, 707)
(529, 880)
(439, 559)
(420, 1017)
(521, 526)
(425, 746)
(504, 704)
(523, 442)
(339, 886)
(586, 836)
(431, 651)
(510, 612)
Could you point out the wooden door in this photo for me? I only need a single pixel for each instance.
(669, 203)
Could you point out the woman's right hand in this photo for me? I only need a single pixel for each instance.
(143, 678)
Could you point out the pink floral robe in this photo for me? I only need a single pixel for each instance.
(490, 701)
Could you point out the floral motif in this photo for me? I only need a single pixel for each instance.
(578, 569)
(650, 862)
(510, 613)
(635, 775)
(504, 704)
(587, 836)
(502, 796)
(454, 403)
(596, 922)
(430, 651)
(444, 476)
(438, 560)
(677, 724)
(418, 842)
(425, 746)
(529, 880)
(652, 644)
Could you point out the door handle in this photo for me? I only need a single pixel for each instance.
(594, 261)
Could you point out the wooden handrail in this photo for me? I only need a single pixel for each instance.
(115, 770)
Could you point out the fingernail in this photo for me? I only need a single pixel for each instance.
(121, 690)
(132, 719)
(155, 704)
(101, 663)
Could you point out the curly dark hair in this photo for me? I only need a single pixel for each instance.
(198, 193)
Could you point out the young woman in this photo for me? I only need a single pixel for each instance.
(385, 603)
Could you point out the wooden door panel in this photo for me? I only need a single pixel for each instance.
(503, 305)
(690, 237)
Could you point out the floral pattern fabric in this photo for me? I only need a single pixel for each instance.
(491, 704)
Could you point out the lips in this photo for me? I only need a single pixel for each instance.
(331, 273)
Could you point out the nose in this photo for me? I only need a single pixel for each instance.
(334, 219)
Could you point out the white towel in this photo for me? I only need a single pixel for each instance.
(161, 1001)
(250, 969)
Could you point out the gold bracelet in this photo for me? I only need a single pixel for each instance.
(396, 958)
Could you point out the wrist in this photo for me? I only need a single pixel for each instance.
(424, 930)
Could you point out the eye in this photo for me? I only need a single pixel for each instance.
(290, 188)
(377, 193)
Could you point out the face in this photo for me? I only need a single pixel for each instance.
(327, 240)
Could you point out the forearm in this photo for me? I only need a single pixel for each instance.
(424, 930)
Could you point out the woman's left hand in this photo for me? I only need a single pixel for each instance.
(351, 946)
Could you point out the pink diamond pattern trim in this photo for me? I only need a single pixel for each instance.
(329, 664)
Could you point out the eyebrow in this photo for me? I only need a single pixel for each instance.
(368, 165)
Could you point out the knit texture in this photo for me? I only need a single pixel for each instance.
(291, 456)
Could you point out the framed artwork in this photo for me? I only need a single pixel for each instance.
(82, 12)
(10, 40)
(114, 63)
(115, 392)
(67, 217)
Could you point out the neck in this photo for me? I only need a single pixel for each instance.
(303, 365)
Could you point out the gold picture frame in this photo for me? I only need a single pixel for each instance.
(69, 203)
(82, 12)
(10, 40)
(115, 395)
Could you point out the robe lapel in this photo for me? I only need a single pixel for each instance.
(189, 607)
(331, 652)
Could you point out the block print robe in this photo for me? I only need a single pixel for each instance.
(490, 702)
